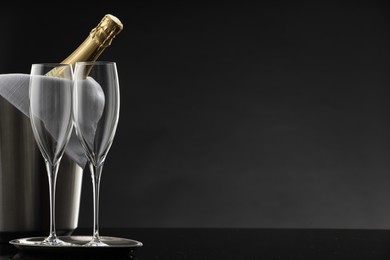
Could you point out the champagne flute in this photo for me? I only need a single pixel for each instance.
(50, 93)
(96, 114)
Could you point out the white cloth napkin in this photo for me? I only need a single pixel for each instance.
(14, 88)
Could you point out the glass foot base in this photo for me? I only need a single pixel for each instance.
(96, 242)
(54, 241)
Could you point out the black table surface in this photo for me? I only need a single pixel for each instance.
(235, 243)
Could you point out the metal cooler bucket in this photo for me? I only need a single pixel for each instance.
(24, 190)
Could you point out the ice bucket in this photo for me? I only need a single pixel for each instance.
(24, 190)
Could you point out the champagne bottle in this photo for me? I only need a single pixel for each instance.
(97, 41)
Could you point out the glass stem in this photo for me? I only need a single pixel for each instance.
(96, 172)
(52, 171)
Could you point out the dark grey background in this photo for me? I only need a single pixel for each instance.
(239, 115)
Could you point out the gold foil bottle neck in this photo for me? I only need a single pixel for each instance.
(92, 47)
(106, 30)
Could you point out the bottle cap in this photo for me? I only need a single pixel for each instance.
(106, 30)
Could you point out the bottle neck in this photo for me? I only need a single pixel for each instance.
(89, 50)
